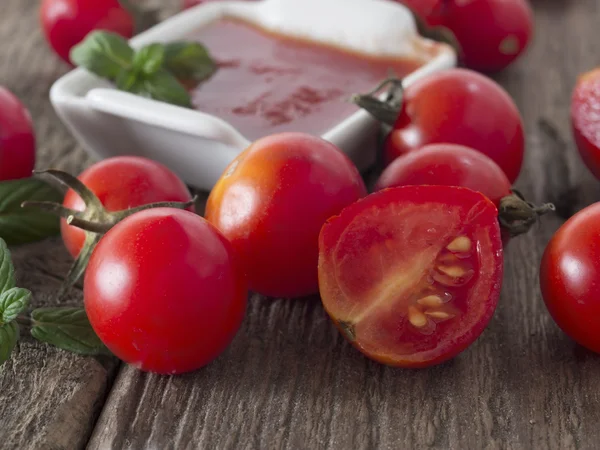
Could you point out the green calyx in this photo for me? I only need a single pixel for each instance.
(156, 71)
(517, 216)
(95, 220)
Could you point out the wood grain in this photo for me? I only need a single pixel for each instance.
(290, 381)
(50, 399)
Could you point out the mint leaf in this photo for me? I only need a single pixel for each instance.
(164, 87)
(149, 60)
(9, 335)
(19, 225)
(103, 53)
(189, 61)
(7, 270)
(12, 303)
(68, 329)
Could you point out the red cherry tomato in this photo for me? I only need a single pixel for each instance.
(163, 291)
(120, 183)
(17, 138)
(411, 275)
(448, 165)
(569, 276)
(67, 22)
(271, 203)
(491, 33)
(585, 119)
(462, 107)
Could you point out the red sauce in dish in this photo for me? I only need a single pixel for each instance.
(268, 83)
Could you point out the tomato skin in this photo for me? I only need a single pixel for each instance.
(491, 33)
(120, 183)
(67, 22)
(164, 292)
(371, 250)
(462, 107)
(271, 203)
(585, 123)
(17, 138)
(448, 165)
(569, 275)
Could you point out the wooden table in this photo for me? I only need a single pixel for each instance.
(289, 380)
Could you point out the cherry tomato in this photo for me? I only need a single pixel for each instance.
(448, 165)
(569, 276)
(67, 22)
(491, 33)
(411, 275)
(271, 203)
(120, 183)
(460, 106)
(164, 292)
(17, 138)
(585, 119)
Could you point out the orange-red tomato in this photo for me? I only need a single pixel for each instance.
(411, 275)
(271, 203)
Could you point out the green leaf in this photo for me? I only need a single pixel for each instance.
(19, 225)
(103, 53)
(164, 87)
(149, 60)
(12, 303)
(189, 61)
(68, 329)
(9, 335)
(7, 270)
(127, 80)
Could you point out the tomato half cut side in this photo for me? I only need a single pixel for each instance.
(412, 275)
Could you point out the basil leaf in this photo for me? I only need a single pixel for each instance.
(103, 53)
(164, 87)
(7, 270)
(149, 60)
(9, 335)
(189, 61)
(12, 303)
(68, 329)
(20, 226)
(127, 80)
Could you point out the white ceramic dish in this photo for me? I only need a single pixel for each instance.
(198, 146)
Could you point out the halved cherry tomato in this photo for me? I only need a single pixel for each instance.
(491, 33)
(411, 275)
(67, 22)
(448, 165)
(120, 183)
(460, 106)
(570, 274)
(164, 292)
(585, 119)
(17, 138)
(271, 203)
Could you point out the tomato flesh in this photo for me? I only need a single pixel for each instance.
(164, 292)
(569, 276)
(585, 119)
(411, 275)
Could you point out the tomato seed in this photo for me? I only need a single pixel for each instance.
(461, 244)
(431, 301)
(416, 317)
(439, 315)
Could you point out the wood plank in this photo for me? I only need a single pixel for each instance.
(50, 398)
(290, 381)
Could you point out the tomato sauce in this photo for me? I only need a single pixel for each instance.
(268, 83)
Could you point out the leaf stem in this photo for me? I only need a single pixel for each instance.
(26, 321)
